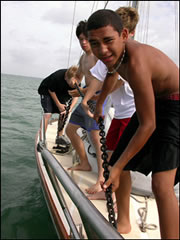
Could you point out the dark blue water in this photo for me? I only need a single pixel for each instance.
(24, 213)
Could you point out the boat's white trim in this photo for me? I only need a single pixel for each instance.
(53, 204)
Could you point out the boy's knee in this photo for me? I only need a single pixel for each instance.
(47, 116)
(69, 130)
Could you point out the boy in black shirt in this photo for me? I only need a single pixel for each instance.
(54, 95)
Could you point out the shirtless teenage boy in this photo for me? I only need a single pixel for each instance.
(150, 142)
(122, 96)
(79, 118)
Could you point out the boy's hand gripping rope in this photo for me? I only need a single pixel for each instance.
(104, 156)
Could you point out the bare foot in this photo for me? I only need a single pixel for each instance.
(124, 228)
(94, 188)
(97, 196)
(80, 167)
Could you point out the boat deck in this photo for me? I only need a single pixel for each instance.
(85, 179)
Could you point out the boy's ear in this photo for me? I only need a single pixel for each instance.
(125, 33)
(132, 33)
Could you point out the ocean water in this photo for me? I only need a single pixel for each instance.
(24, 213)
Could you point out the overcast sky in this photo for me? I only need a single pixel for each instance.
(36, 35)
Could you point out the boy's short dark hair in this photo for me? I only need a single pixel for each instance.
(104, 17)
(81, 28)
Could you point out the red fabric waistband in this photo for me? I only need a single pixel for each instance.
(174, 96)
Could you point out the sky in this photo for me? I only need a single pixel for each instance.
(38, 37)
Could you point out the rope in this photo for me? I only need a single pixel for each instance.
(139, 25)
(71, 33)
(143, 26)
(143, 211)
(97, 5)
(93, 6)
(146, 23)
(106, 3)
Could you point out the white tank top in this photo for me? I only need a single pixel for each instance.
(122, 98)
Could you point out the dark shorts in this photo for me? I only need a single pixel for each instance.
(79, 117)
(161, 152)
(48, 104)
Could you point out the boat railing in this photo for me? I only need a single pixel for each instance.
(42, 134)
(95, 224)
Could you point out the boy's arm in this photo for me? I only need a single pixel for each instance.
(75, 92)
(60, 106)
(109, 85)
(141, 84)
(118, 84)
(79, 73)
(94, 86)
(74, 101)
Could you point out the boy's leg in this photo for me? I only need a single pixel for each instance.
(123, 203)
(168, 209)
(96, 142)
(100, 195)
(114, 133)
(71, 131)
(47, 116)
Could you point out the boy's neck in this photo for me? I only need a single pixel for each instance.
(88, 52)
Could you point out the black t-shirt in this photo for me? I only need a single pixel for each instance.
(56, 83)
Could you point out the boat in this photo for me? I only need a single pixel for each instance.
(75, 216)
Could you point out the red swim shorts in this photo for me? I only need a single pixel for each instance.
(115, 131)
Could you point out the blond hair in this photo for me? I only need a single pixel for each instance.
(129, 17)
(71, 72)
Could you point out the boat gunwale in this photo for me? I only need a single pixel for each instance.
(60, 228)
(90, 214)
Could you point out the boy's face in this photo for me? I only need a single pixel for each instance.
(84, 42)
(107, 44)
(70, 81)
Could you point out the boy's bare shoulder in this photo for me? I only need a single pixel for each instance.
(135, 51)
(143, 55)
(135, 48)
(81, 59)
